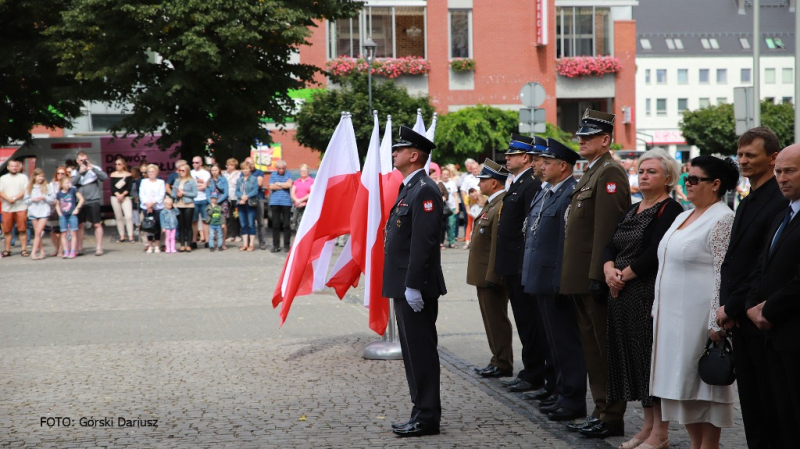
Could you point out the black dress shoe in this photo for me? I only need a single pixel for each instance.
(494, 372)
(537, 395)
(417, 429)
(400, 425)
(479, 370)
(590, 421)
(602, 430)
(549, 400)
(276, 249)
(510, 383)
(521, 386)
(549, 408)
(562, 414)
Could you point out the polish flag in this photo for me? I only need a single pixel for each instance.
(327, 216)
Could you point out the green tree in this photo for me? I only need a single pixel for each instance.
(31, 91)
(193, 70)
(713, 129)
(319, 116)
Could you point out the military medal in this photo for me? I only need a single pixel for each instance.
(481, 230)
(399, 222)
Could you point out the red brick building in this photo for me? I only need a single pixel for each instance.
(512, 42)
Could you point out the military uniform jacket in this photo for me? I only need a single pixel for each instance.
(510, 241)
(412, 233)
(482, 250)
(600, 198)
(544, 250)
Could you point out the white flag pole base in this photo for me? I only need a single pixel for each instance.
(388, 348)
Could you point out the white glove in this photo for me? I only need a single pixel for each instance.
(414, 299)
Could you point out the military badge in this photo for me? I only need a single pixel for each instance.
(427, 206)
(399, 222)
(481, 230)
(611, 187)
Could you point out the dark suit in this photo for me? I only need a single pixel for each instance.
(413, 260)
(510, 246)
(541, 276)
(492, 295)
(749, 234)
(776, 281)
(600, 198)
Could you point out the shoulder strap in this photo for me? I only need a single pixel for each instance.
(661, 210)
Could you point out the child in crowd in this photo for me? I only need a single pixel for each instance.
(169, 223)
(68, 204)
(39, 197)
(216, 223)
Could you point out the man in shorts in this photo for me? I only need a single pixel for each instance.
(12, 191)
(88, 179)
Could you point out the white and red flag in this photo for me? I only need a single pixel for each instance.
(327, 216)
(429, 134)
(363, 253)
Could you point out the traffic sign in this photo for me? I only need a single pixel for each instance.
(539, 128)
(527, 115)
(532, 95)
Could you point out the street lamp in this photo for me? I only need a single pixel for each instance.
(370, 47)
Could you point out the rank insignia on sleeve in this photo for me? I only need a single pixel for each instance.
(427, 206)
(611, 187)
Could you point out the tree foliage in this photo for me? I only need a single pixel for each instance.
(192, 70)
(31, 91)
(318, 118)
(713, 129)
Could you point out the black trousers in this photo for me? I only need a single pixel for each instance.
(234, 228)
(784, 367)
(761, 427)
(564, 341)
(419, 342)
(281, 220)
(537, 369)
(185, 225)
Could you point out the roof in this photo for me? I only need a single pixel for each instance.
(691, 21)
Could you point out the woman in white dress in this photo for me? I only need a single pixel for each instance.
(686, 298)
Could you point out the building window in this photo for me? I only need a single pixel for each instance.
(661, 106)
(722, 100)
(722, 76)
(583, 31)
(745, 43)
(679, 44)
(647, 76)
(769, 99)
(674, 44)
(661, 76)
(645, 43)
(709, 44)
(786, 100)
(647, 107)
(769, 76)
(399, 31)
(460, 33)
(683, 104)
(774, 43)
(683, 76)
(704, 76)
(786, 76)
(670, 44)
(746, 76)
(704, 103)
(705, 44)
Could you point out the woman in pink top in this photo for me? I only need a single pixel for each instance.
(300, 191)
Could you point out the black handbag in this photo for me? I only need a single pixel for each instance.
(252, 202)
(716, 364)
(149, 223)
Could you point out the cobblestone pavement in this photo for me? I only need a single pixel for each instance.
(190, 340)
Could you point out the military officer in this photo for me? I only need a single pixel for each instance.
(412, 275)
(541, 272)
(600, 198)
(508, 263)
(492, 296)
(539, 147)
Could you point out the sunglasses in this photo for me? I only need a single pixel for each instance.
(693, 180)
(61, 173)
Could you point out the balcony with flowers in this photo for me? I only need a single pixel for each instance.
(409, 71)
(586, 76)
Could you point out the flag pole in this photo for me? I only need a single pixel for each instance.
(388, 348)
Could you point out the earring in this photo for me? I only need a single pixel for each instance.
(714, 190)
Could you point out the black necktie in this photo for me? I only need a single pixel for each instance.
(400, 190)
(785, 221)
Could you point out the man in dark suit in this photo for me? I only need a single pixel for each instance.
(773, 303)
(412, 275)
(492, 295)
(600, 198)
(510, 245)
(544, 250)
(758, 149)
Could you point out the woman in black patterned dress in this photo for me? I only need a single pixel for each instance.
(631, 264)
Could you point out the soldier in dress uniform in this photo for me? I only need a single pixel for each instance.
(539, 147)
(600, 198)
(492, 295)
(508, 263)
(541, 274)
(412, 275)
